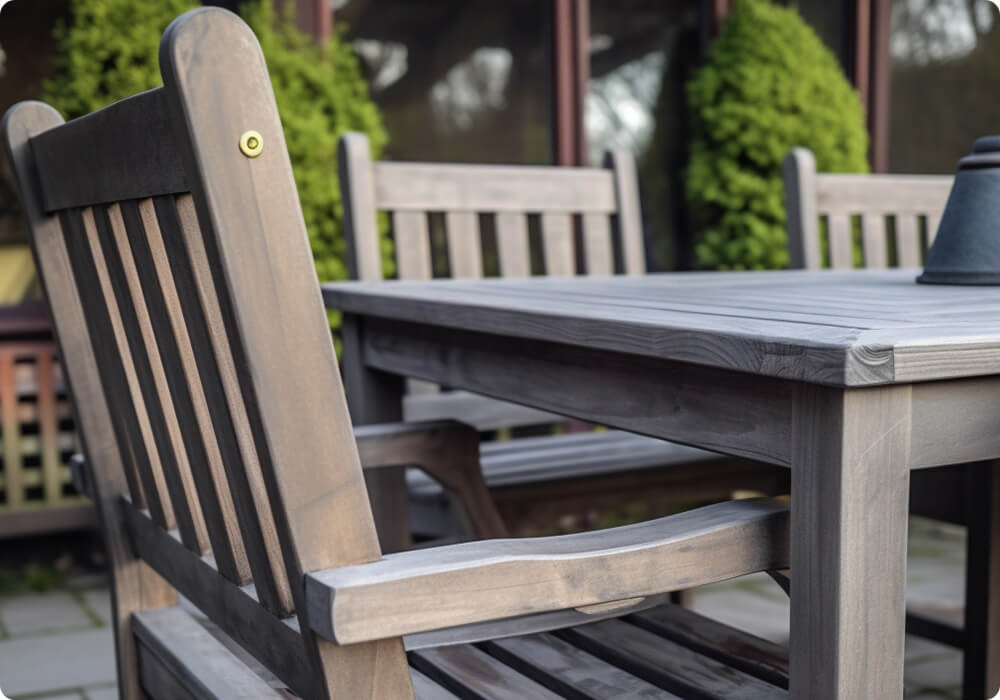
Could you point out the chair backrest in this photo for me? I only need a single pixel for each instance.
(907, 200)
(606, 200)
(172, 249)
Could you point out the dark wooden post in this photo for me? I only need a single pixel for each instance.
(571, 73)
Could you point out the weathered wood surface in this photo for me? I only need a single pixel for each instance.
(495, 579)
(217, 82)
(134, 586)
(492, 188)
(664, 399)
(74, 170)
(851, 484)
(668, 664)
(191, 662)
(840, 328)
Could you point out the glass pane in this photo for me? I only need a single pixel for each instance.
(945, 58)
(641, 54)
(830, 20)
(458, 80)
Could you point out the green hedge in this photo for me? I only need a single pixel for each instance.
(769, 84)
(109, 51)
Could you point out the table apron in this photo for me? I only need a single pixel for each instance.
(736, 413)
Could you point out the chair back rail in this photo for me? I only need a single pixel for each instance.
(183, 295)
(605, 200)
(838, 198)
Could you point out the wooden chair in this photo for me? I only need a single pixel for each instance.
(533, 480)
(961, 495)
(168, 235)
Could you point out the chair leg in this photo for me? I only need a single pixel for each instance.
(981, 665)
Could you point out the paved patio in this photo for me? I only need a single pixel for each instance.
(58, 645)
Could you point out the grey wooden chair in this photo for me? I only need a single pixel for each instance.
(167, 232)
(533, 480)
(962, 495)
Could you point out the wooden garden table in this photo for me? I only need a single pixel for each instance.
(850, 378)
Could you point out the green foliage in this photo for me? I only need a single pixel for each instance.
(109, 51)
(769, 84)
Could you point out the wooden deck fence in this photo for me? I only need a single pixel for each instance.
(37, 435)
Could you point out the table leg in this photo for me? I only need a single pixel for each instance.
(377, 397)
(981, 670)
(850, 492)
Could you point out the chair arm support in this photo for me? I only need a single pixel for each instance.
(475, 582)
(448, 451)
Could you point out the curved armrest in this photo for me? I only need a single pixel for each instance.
(476, 582)
(448, 451)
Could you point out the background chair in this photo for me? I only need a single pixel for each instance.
(896, 218)
(516, 221)
(167, 232)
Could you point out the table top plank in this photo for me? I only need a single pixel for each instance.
(840, 328)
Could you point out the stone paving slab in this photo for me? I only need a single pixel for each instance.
(57, 662)
(106, 693)
(25, 615)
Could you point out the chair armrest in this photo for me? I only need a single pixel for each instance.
(448, 451)
(474, 582)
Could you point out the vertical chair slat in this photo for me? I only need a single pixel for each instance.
(873, 240)
(557, 244)
(357, 183)
(841, 241)
(177, 221)
(48, 426)
(597, 244)
(933, 221)
(413, 246)
(12, 467)
(907, 240)
(512, 244)
(465, 253)
(159, 389)
(123, 391)
(628, 218)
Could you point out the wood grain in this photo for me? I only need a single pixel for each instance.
(491, 188)
(272, 313)
(192, 658)
(495, 579)
(839, 328)
(134, 586)
(850, 486)
(76, 168)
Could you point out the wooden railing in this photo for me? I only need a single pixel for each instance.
(37, 435)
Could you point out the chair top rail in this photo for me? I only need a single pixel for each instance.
(128, 150)
(492, 188)
(840, 193)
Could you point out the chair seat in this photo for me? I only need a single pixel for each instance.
(664, 652)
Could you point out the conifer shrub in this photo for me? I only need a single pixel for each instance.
(109, 49)
(769, 84)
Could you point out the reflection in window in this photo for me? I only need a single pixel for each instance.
(476, 85)
(642, 53)
(945, 58)
(620, 104)
(458, 80)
